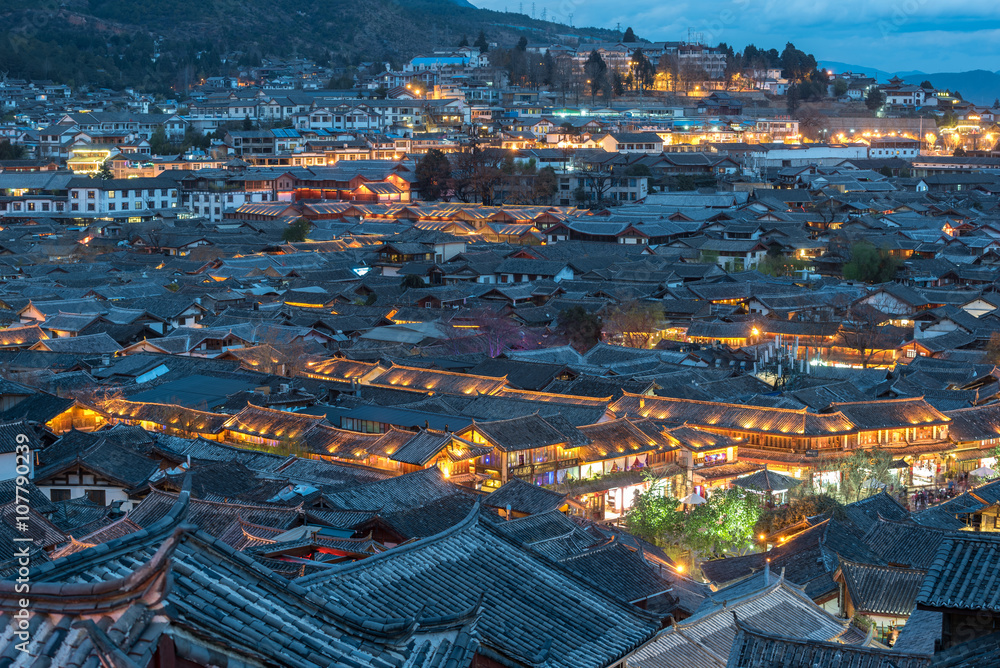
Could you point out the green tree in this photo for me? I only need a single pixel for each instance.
(580, 327)
(926, 85)
(412, 282)
(464, 42)
(875, 99)
(643, 72)
(481, 43)
(629, 36)
(247, 123)
(522, 44)
(727, 521)
(779, 265)
(863, 473)
(158, 144)
(840, 87)
(10, 151)
(869, 264)
(105, 173)
(297, 232)
(654, 516)
(596, 71)
(433, 173)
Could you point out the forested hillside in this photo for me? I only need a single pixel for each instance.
(160, 45)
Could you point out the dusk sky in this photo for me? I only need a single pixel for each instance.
(932, 36)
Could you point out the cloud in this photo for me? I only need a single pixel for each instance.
(928, 35)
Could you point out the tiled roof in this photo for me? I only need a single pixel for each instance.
(706, 639)
(524, 497)
(963, 574)
(169, 581)
(882, 590)
(752, 648)
(534, 613)
(904, 543)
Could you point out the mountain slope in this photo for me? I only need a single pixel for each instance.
(112, 42)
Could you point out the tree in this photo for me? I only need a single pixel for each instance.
(797, 65)
(464, 42)
(643, 72)
(158, 144)
(655, 517)
(875, 99)
(797, 509)
(596, 71)
(247, 123)
(869, 264)
(545, 186)
(297, 232)
(633, 323)
(477, 174)
(105, 173)
(481, 43)
(522, 44)
(926, 85)
(993, 349)
(629, 36)
(863, 473)
(780, 265)
(412, 282)
(433, 173)
(864, 331)
(10, 151)
(727, 521)
(580, 327)
(840, 87)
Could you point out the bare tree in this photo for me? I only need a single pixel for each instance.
(633, 323)
(866, 331)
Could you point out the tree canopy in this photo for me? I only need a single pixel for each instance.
(433, 173)
(875, 99)
(297, 232)
(869, 264)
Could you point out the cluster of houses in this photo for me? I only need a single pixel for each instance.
(284, 409)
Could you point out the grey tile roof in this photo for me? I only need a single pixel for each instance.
(524, 497)
(753, 648)
(706, 639)
(963, 574)
(534, 613)
(904, 543)
(234, 603)
(882, 590)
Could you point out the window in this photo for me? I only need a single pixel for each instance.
(97, 496)
(60, 494)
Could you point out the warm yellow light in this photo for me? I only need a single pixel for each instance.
(680, 568)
